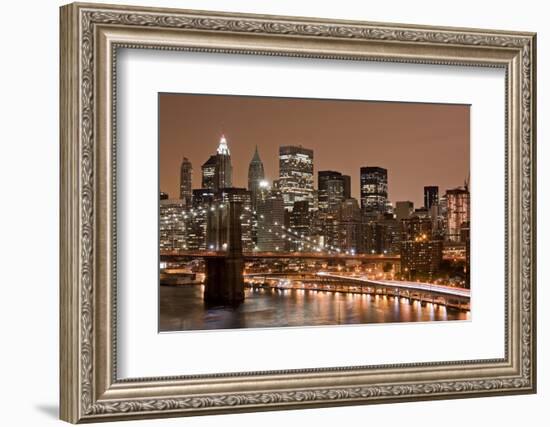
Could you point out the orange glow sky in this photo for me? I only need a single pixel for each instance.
(419, 144)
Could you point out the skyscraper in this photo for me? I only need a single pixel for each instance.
(374, 189)
(431, 196)
(255, 177)
(295, 175)
(458, 212)
(223, 171)
(333, 187)
(185, 181)
(208, 172)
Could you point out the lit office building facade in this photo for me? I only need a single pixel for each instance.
(458, 212)
(374, 189)
(295, 175)
(172, 226)
(208, 172)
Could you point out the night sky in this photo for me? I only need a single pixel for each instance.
(419, 144)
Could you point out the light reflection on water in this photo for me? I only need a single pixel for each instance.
(182, 308)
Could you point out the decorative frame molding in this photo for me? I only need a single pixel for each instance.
(90, 36)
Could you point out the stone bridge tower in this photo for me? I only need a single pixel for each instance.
(224, 283)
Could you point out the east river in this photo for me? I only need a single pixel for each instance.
(182, 308)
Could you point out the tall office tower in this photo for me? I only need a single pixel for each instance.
(255, 177)
(208, 173)
(347, 186)
(186, 170)
(403, 210)
(223, 172)
(374, 189)
(431, 196)
(350, 235)
(300, 224)
(458, 212)
(172, 230)
(243, 196)
(295, 175)
(271, 215)
(332, 190)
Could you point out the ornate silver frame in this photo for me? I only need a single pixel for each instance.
(90, 36)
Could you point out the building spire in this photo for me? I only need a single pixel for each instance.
(256, 157)
(222, 147)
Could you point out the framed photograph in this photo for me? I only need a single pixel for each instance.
(265, 212)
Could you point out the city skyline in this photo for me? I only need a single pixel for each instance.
(192, 118)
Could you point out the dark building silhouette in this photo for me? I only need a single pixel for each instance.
(431, 196)
(403, 209)
(300, 223)
(351, 231)
(186, 170)
(256, 176)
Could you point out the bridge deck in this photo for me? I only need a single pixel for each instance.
(286, 255)
(414, 286)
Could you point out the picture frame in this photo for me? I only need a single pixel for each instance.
(91, 36)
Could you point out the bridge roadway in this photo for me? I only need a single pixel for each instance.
(410, 286)
(175, 255)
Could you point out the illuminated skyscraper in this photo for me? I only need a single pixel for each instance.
(295, 175)
(255, 177)
(458, 212)
(185, 181)
(374, 189)
(334, 188)
(208, 172)
(172, 227)
(223, 171)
